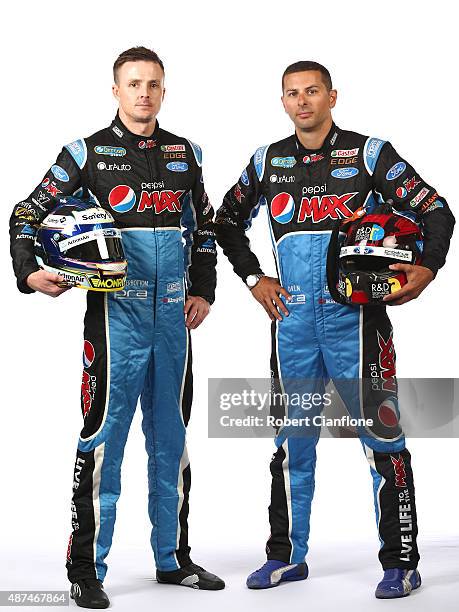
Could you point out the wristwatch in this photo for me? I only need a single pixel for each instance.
(252, 280)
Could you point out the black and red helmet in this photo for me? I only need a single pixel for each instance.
(362, 249)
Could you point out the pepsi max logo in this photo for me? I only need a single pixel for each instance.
(395, 171)
(344, 173)
(282, 207)
(88, 354)
(147, 144)
(60, 173)
(50, 187)
(177, 166)
(122, 198)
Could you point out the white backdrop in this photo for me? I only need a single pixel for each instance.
(393, 66)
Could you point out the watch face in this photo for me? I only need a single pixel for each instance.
(251, 280)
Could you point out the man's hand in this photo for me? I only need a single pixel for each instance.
(46, 282)
(196, 310)
(267, 291)
(418, 278)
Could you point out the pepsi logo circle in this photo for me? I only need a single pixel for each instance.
(88, 354)
(122, 198)
(282, 207)
(401, 192)
(387, 413)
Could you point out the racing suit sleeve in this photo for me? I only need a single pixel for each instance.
(394, 178)
(199, 251)
(234, 217)
(63, 178)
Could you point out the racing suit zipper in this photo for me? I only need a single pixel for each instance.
(155, 280)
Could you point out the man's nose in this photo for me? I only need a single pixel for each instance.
(302, 99)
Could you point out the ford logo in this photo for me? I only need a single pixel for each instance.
(177, 166)
(60, 174)
(395, 171)
(344, 173)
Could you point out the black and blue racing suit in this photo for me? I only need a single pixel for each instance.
(305, 193)
(135, 340)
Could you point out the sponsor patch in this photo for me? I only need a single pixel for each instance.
(147, 144)
(419, 197)
(344, 152)
(319, 208)
(396, 170)
(282, 207)
(173, 148)
(177, 166)
(60, 174)
(344, 173)
(93, 215)
(112, 151)
(283, 162)
(311, 159)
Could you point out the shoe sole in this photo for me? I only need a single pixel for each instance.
(89, 607)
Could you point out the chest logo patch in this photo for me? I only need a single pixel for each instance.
(319, 208)
(344, 173)
(122, 198)
(282, 207)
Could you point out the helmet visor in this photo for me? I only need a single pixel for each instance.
(95, 246)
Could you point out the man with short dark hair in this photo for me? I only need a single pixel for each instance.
(308, 182)
(136, 341)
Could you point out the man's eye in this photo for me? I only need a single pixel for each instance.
(292, 93)
(154, 84)
(312, 91)
(132, 84)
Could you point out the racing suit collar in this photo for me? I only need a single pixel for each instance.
(329, 142)
(142, 142)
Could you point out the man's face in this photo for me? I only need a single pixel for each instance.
(306, 99)
(140, 90)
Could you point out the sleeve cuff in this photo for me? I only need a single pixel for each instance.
(22, 282)
(431, 264)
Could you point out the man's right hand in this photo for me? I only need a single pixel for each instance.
(267, 291)
(46, 282)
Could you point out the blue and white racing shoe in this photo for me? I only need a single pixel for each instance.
(398, 583)
(274, 572)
